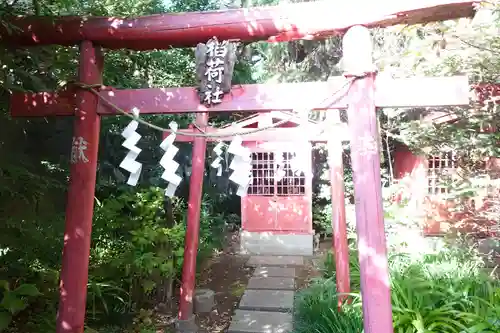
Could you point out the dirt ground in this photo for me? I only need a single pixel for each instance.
(227, 276)
(225, 273)
(312, 267)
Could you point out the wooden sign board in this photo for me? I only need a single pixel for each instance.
(214, 70)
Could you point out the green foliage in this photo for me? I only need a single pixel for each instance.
(136, 249)
(322, 217)
(102, 296)
(139, 219)
(15, 301)
(442, 49)
(446, 291)
(328, 268)
(321, 188)
(317, 311)
(144, 322)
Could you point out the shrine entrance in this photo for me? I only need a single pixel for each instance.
(276, 212)
(279, 197)
(276, 205)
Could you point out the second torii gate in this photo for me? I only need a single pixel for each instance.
(364, 95)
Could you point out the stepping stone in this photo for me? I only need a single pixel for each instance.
(274, 271)
(267, 300)
(271, 283)
(256, 261)
(260, 322)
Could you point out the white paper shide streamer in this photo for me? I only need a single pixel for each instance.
(217, 163)
(168, 163)
(129, 163)
(241, 165)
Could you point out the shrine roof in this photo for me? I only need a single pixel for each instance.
(309, 20)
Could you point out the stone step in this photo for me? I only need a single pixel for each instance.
(284, 261)
(244, 321)
(267, 300)
(271, 283)
(274, 271)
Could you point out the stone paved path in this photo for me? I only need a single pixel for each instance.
(267, 303)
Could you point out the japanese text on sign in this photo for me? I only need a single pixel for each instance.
(216, 55)
(78, 148)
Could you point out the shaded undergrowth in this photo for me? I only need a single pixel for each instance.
(446, 292)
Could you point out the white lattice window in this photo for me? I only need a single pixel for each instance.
(262, 174)
(267, 180)
(292, 182)
(440, 169)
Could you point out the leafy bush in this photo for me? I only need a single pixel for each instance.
(136, 261)
(138, 252)
(15, 301)
(322, 217)
(443, 292)
(317, 311)
(440, 292)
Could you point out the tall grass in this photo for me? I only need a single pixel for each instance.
(317, 311)
(445, 292)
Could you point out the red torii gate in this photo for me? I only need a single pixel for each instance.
(280, 23)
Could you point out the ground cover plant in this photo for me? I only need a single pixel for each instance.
(447, 291)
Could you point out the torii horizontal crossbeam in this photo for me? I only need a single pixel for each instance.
(273, 23)
(411, 92)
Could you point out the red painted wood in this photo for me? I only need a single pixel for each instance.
(410, 171)
(258, 213)
(274, 213)
(80, 205)
(339, 224)
(252, 97)
(274, 23)
(294, 214)
(365, 155)
(193, 221)
(487, 92)
(277, 214)
(405, 162)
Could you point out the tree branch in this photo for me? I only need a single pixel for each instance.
(477, 46)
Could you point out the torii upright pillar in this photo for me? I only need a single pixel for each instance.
(186, 319)
(365, 155)
(80, 204)
(340, 244)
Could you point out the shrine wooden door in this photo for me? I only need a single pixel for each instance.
(279, 198)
